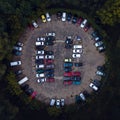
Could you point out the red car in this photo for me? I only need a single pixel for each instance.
(50, 80)
(67, 82)
(33, 94)
(68, 74)
(76, 73)
(49, 61)
(79, 21)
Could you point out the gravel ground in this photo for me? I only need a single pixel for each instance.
(90, 57)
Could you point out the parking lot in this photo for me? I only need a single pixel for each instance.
(90, 58)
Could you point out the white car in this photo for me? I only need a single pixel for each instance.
(49, 56)
(62, 102)
(52, 102)
(40, 52)
(82, 96)
(77, 46)
(77, 50)
(40, 39)
(94, 87)
(17, 48)
(64, 16)
(39, 57)
(67, 60)
(76, 55)
(35, 24)
(48, 18)
(20, 44)
(58, 103)
(50, 34)
(100, 73)
(83, 23)
(97, 44)
(40, 66)
(41, 80)
(39, 43)
(40, 75)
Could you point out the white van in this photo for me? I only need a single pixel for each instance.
(23, 80)
(15, 63)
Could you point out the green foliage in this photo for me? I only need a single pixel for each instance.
(13, 86)
(110, 12)
(54, 112)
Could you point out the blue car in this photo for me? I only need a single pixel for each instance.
(76, 82)
(68, 64)
(67, 69)
(69, 17)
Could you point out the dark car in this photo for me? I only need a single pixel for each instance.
(50, 66)
(78, 64)
(59, 15)
(50, 80)
(24, 87)
(67, 78)
(68, 64)
(67, 69)
(79, 21)
(40, 71)
(101, 68)
(49, 71)
(18, 72)
(67, 82)
(49, 75)
(29, 91)
(74, 19)
(40, 47)
(17, 53)
(76, 78)
(39, 61)
(69, 17)
(87, 27)
(96, 83)
(49, 52)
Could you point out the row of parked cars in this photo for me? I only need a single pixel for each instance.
(69, 76)
(44, 59)
(63, 16)
(17, 51)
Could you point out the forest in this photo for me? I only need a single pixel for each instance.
(15, 16)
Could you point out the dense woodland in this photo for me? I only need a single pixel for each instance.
(15, 17)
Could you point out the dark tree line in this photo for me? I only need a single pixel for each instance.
(15, 15)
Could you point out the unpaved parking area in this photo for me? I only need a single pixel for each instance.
(91, 58)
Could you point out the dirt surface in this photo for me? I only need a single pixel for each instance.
(90, 57)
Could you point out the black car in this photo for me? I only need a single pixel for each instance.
(76, 78)
(68, 42)
(40, 47)
(17, 53)
(78, 64)
(101, 68)
(49, 75)
(59, 15)
(49, 71)
(96, 82)
(49, 40)
(67, 69)
(24, 87)
(18, 72)
(69, 17)
(74, 19)
(39, 61)
(49, 52)
(67, 78)
(29, 91)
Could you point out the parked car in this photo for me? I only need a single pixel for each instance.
(40, 75)
(41, 80)
(94, 87)
(33, 95)
(39, 71)
(78, 38)
(24, 87)
(50, 80)
(17, 53)
(51, 34)
(52, 102)
(101, 48)
(94, 34)
(78, 64)
(50, 66)
(43, 18)
(62, 102)
(49, 52)
(76, 73)
(18, 48)
(67, 60)
(49, 61)
(29, 91)
(77, 46)
(100, 73)
(76, 82)
(101, 68)
(39, 57)
(48, 18)
(58, 103)
(68, 82)
(34, 24)
(74, 19)
(69, 16)
(49, 75)
(83, 24)
(69, 74)
(41, 43)
(20, 44)
(76, 78)
(15, 63)
(98, 44)
(40, 52)
(59, 15)
(40, 39)
(66, 78)
(76, 55)
(67, 69)
(79, 21)
(18, 72)
(87, 27)
(49, 56)
(40, 66)
(77, 50)
(68, 64)
(82, 97)
(64, 16)
(39, 61)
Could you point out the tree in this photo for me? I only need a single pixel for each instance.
(110, 13)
